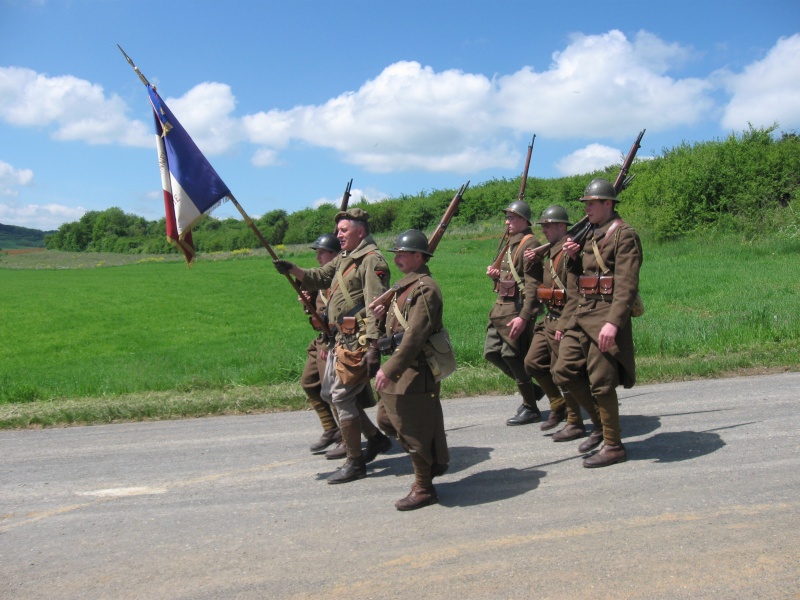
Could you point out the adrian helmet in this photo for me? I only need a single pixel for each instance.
(599, 189)
(412, 240)
(327, 241)
(521, 209)
(554, 214)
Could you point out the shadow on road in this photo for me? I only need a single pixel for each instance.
(636, 425)
(488, 486)
(675, 446)
(398, 464)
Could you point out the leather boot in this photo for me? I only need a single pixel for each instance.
(328, 437)
(571, 431)
(554, 418)
(337, 452)
(608, 455)
(377, 444)
(593, 441)
(352, 469)
(417, 498)
(530, 413)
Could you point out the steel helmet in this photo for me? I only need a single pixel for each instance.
(412, 240)
(327, 241)
(554, 214)
(599, 189)
(521, 209)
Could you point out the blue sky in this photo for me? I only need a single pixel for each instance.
(290, 99)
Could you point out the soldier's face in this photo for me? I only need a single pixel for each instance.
(554, 231)
(408, 262)
(350, 234)
(515, 223)
(599, 211)
(325, 256)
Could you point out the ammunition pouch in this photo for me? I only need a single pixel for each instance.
(506, 288)
(388, 344)
(348, 325)
(551, 296)
(596, 284)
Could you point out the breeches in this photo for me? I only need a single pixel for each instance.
(580, 358)
(504, 356)
(343, 397)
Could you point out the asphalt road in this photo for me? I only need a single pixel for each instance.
(707, 506)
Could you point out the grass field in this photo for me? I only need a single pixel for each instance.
(86, 342)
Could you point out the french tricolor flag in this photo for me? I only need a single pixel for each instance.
(191, 186)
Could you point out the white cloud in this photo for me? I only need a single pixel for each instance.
(11, 178)
(204, 111)
(413, 118)
(46, 217)
(767, 91)
(604, 86)
(591, 158)
(76, 109)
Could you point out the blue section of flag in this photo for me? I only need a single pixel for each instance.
(186, 163)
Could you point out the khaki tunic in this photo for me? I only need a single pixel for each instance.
(622, 254)
(411, 400)
(543, 352)
(525, 304)
(315, 364)
(366, 280)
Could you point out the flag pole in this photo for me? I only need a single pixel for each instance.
(310, 308)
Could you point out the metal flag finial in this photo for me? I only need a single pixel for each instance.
(135, 68)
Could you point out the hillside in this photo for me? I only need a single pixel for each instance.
(13, 237)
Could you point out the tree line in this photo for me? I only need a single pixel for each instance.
(747, 182)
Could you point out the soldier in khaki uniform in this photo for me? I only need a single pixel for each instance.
(552, 269)
(511, 319)
(409, 394)
(355, 277)
(327, 247)
(596, 352)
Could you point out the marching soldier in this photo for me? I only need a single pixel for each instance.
(596, 352)
(356, 277)
(409, 405)
(552, 270)
(511, 319)
(327, 247)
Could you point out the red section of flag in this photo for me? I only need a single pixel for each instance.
(185, 245)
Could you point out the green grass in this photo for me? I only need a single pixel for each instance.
(153, 339)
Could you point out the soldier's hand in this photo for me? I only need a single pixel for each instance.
(283, 266)
(606, 337)
(518, 325)
(381, 381)
(571, 248)
(492, 273)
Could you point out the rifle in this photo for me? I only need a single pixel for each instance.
(498, 259)
(386, 298)
(581, 229)
(346, 197)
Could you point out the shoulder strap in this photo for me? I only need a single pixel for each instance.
(340, 281)
(601, 263)
(511, 260)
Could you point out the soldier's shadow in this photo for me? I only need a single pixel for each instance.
(675, 446)
(488, 486)
(397, 463)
